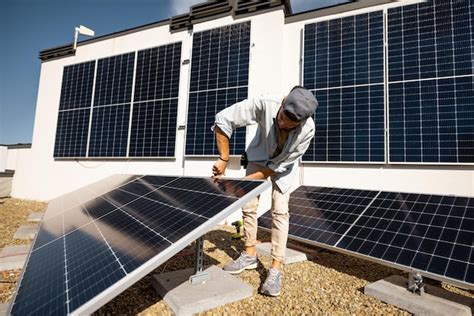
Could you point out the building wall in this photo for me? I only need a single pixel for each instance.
(275, 67)
(3, 158)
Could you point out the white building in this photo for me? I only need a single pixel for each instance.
(276, 64)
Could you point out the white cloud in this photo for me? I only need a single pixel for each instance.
(183, 6)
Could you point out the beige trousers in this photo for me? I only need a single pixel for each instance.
(280, 219)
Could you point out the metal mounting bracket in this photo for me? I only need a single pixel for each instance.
(199, 276)
(415, 283)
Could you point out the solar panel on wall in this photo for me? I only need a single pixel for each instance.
(111, 110)
(74, 110)
(431, 82)
(431, 234)
(91, 251)
(155, 106)
(344, 68)
(219, 78)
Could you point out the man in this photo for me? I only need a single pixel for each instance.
(285, 129)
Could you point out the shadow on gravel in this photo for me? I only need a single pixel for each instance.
(142, 294)
(223, 240)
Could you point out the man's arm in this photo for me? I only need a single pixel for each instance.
(223, 147)
(261, 174)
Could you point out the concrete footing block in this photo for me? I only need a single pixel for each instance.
(4, 309)
(291, 256)
(185, 298)
(25, 232)
(13, 257)
(436, 301)
(35, 217)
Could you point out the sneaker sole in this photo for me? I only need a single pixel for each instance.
(249, 267)
(273, 295)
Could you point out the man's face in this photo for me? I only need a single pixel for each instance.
(284, 122)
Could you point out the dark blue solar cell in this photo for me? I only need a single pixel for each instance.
(344, 67)
(111, 111)
(219, 78)
(71, 133)
(428, 122)
(153, 132)
(76, 88)
(46, 263)
(89, 259)
(109, 131)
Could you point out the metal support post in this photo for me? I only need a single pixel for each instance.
(199, 276)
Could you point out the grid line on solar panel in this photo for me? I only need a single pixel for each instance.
(343, 65)
(153, 131)
(46, 263)
(154, 117)
(429, 233)
(76, 88)
(111, 109)
(323, 214)
(430, 53)
(426, 232)
(112, 244)
(74, 110)
(71, 133)
(219, 78)
(136, 186)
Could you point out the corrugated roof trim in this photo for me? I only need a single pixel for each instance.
(56, 52)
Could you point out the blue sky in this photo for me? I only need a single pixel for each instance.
(29, 26)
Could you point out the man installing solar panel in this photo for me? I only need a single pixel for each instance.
(284, 132)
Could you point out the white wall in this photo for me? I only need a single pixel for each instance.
(274, 68)
(13, 155)
(3, 158)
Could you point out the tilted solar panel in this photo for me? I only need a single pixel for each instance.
(430, 234)
(90, 252)
(74, 110)
(219, 78)
(343, 66)
(431, 82)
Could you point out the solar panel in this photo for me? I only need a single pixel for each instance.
(155, 106)
(431, 234)
(431, 82)
(74, 110)
(111, 110)
(89, 252)
(344, 67)
(219, 78)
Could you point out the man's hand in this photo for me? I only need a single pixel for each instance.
(219, 168)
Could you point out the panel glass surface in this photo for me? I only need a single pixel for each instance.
(219, 78)
(155, 107)
(323, 214)
(344, 68)
(431, 89)
(86, 249)
(432, 234)
(74, 110)
(111, 111)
